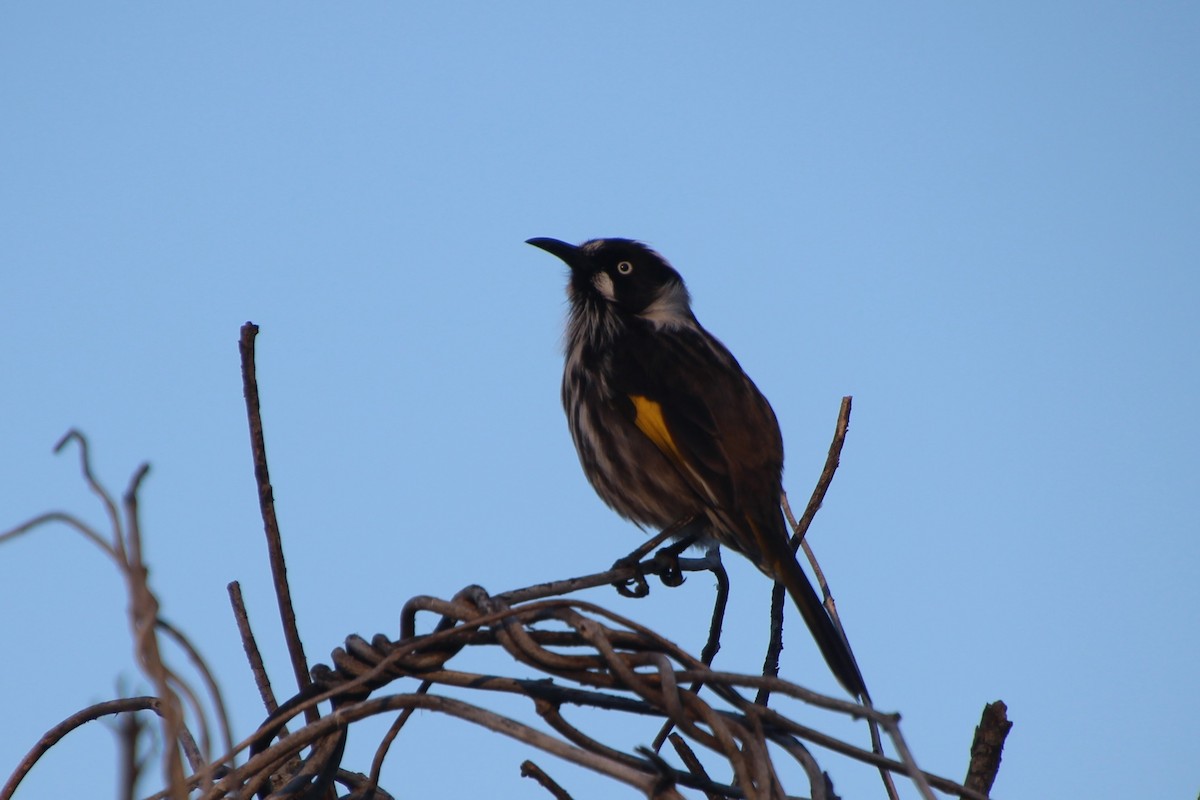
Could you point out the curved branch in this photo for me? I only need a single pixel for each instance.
(76, 720)
(71, 522)
(110, 505)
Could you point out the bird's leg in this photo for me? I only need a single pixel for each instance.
(636, 586)
(688, 532)
(667, 559)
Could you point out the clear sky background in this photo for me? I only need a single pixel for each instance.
(980, 220)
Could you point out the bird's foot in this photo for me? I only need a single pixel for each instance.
(666, 562)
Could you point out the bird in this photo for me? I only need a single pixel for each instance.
(667, 425)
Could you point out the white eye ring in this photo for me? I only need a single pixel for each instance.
(624, 268)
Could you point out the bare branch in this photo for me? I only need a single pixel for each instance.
(987, 747)
(693, 763)
(110, 505)
(341, 718)
(129, 729)
(266, 502)
(250, 646)
(210, 683)
(565, 655)
(831, 464)
(70, 521)
(79, 718)
(800, 529)
(532, 770)
(143, 616)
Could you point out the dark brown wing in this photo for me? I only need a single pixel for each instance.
(688, 394)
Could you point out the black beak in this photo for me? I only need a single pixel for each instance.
(567, 252)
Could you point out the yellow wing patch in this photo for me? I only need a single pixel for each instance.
(650, 421)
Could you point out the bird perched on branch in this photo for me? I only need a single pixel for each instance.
(667, 425)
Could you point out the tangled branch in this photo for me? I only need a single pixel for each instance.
(569, 659)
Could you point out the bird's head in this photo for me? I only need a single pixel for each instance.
(626, 275)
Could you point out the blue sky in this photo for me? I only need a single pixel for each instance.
(980, 220)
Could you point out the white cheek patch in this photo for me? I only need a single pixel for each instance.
(604, 285)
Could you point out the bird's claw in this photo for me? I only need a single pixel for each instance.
(666, 562)
(636, 586)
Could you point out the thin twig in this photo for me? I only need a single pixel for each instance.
(818, 781)
(250, 646)
(266, 502)
(110, 505)
(129, 729)
(889, 784)
(712, 644)
(914, 771)
(532, 770)
(799, 531)
(831, 464)
(394, 731)
(210, 683)
(775, 642)
(799, 540)
(693, 764)
(78, 525)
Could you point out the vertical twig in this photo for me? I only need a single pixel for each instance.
(800, 529)
(129, 728)
(257, 668)
(774, 644)
(832, 460)
(143, 616)
(712, 645)
(266, 502)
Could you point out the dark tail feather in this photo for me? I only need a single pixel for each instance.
(833, 647)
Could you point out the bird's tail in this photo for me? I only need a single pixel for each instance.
(787, 571)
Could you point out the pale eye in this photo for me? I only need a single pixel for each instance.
(624, 268)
